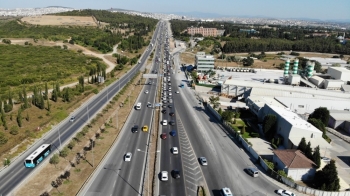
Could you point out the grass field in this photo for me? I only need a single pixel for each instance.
(60, 20)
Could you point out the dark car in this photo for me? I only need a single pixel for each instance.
(170, 106)
(172, 114)
(135, 129)
(175, 173)
(172, 122)
(164, 111)
(163, 136)
(173, 133)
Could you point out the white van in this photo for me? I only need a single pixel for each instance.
(138, 106)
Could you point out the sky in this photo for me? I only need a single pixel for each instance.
(311, 9)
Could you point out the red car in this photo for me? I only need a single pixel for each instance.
(163, 136)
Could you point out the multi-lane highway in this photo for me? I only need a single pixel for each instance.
(115, 176)
(16, 173)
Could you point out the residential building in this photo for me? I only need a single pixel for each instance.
(204, 62)
(291, 128)
(206, 32)
(295, 164)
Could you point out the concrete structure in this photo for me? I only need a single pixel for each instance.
(345, 88)
(295, 164)
(256, 103)
(339, 73)
(262, 148)
(294, 79)
(339, 119)
(291, 128)
(204, 62)
(333, 84)
(236, 87)
(295, 67)
(316, 80)
(286, 68)
(203, 31)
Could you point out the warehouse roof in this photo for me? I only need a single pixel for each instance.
(340, 114)
(342, 69)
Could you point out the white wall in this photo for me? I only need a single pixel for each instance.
(301, 173)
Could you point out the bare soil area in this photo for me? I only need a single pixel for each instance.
(60, 20)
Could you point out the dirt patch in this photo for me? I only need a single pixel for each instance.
(187, 58)
(60, 20)
(104, 125)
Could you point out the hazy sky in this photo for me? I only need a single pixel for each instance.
(315, 9)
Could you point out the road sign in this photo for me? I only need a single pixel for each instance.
(157, 104)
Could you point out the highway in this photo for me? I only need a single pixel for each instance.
(226, 160)
(115, 176)
(16, 173)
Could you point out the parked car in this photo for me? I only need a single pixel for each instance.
(127, 156)
(285, 193)
(203, 161)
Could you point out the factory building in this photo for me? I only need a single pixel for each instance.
(291, 128)
(204, 62)
(339, 119)
(339, 73)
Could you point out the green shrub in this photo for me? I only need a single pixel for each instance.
(14, 130)
(64, 152)
(3, 138)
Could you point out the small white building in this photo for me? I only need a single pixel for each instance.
(295, 164)
(339, 73)
(292, 128)
(333, 84)
(339, 119)
(316, 80)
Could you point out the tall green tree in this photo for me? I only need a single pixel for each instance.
(19, 117)
(302, 145)
(308, 151)
(269, 126)
(46, 97)
(322, 114)
(25, 99)
(327, 179)
(318, 124)
(316, 157)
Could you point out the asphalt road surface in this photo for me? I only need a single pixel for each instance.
(16, 173)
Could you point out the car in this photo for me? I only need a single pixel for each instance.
(175, 150)
(145, 128)
(72, 119)
(177, 92)
(146, 91)
(165, 122)
(172, 114)
(173, 133)
(285, 193)
(203, 161)
(164, 106)
(164, 111)
(164, 176)
(171, 122)
(127, 156)
(135, 129)
(175, 173)
(170, 106)
(149, 82)
(169, 88)
(252, 171)
(163, 136)
(149, 105)
(226, 192)
(165, 101)
(170, 93)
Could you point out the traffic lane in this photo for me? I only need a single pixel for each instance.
(228, 156)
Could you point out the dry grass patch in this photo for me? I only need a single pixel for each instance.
(187, 58)
(60, 20)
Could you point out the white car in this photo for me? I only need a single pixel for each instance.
(127, 156)
(177, 92)
(72, 119)
(203, 161)
(146, 91)
(170, 93)
(149, 105)
(164, 175)
(285, 193)
(165, 122)
(175, 150)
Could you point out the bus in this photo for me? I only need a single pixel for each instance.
(138, 106)
(38, 155)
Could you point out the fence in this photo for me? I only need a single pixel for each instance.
(270, 172)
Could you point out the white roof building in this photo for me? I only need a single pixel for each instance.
(293, 128)
(339, 73)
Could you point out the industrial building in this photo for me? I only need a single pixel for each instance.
(339, 73)
(203, 31)
(339, 119)
(327, 62)
(292, 128)
(204, 62)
